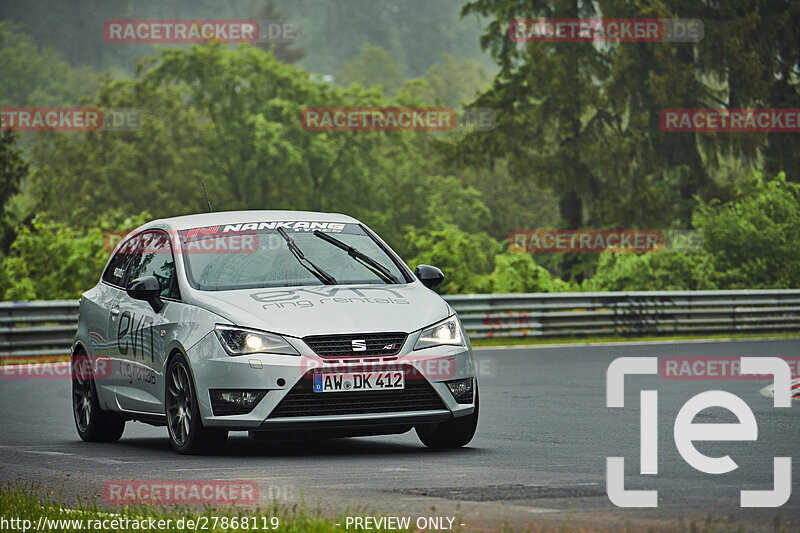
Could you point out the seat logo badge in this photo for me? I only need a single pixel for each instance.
(359, 345)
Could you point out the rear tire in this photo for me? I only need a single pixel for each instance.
(453, 433)
(187, 434)
(93, 423)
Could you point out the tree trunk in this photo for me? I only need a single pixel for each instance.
(571, 210)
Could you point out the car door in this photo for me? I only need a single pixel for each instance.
(100, 312)
(139, 329)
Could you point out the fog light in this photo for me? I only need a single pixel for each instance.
(461, 390)
(234, 402)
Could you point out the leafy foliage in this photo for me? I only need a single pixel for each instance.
(373, 67)
(34, 77)
(662, 271)
(13, 168)
(753, 240)
(466, 258)
(749, 242)
(577, 143)
(53, 260)
(585, 118)
(514, 272)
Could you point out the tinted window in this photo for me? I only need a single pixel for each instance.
(117, 270)
(153, 257)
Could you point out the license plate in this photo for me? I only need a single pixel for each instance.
(358, 381)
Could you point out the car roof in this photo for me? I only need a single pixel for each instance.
(240, 217)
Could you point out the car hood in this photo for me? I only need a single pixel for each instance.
(320, 310)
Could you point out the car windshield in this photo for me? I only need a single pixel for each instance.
(257, 255)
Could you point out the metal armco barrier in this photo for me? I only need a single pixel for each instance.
(628, 313)
(47, 328)
(37, 328)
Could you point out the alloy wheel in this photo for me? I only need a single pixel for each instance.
(179, 404)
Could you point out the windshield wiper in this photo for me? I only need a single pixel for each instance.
(372, 265)
(320, 274)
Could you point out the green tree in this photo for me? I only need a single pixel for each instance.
(754, 238)
(467, 259)
(268, 11)
(655, 271)
(13, 169)
(456, 81)
(516, 272)
(548, 93)
(34, 76)
(513, 204)
(231, 119)
(749, 242)
(228, 118)
(416, 32)
(53, 260)
(585, 118)
(373, 67)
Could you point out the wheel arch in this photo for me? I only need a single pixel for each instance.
(173, 352)
(79, 348)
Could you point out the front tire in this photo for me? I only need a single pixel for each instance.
(187, 434)
(93, 423)
(453, 433)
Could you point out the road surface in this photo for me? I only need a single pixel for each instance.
(538, 458)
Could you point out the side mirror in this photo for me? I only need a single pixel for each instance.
(430, 276)
(148, 289)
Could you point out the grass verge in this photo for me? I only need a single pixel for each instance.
(24, 509)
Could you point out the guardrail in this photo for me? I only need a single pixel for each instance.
(47, 328)
(37, 328)
(627, 313)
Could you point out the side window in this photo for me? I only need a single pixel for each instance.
(117, 270)
(154, 258)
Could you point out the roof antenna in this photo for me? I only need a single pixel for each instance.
(207, 200)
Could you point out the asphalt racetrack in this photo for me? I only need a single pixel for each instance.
(539, 456)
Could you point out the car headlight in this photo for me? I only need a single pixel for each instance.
(446, 332)
(239, 341)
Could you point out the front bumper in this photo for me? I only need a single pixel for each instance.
(288, 377)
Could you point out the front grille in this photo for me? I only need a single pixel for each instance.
(371, 344)
(303, 401)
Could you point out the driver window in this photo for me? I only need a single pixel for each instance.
(155, 259)
(117, 269)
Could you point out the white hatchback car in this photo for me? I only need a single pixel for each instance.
(280, 323)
